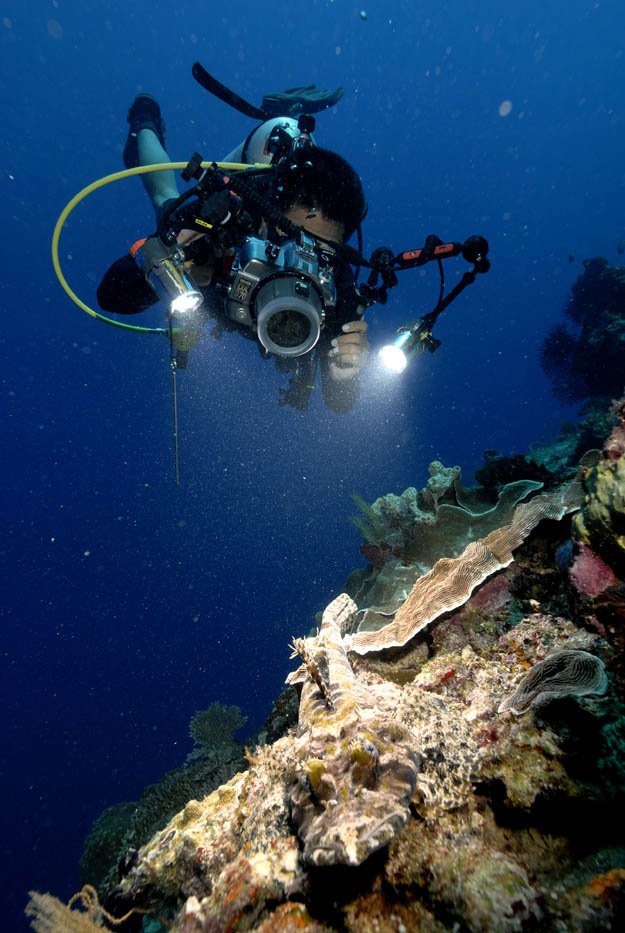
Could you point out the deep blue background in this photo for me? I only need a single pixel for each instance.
(130, 603)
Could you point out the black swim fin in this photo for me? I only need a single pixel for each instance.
(293, 101)
(306, 99)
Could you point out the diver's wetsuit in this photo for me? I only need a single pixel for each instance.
(124, 290)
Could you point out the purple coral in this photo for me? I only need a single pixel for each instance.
(589, 574)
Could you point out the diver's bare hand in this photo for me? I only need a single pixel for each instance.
(202, 275)
(349, 351)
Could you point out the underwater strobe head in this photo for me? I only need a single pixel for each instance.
(475, 250)
(393, 356)
(409, 342)
(163, 267)
(412, 339)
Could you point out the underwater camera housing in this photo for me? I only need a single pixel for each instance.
(282, 292)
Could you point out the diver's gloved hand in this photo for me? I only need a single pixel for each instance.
(349, 351)
(306, 99)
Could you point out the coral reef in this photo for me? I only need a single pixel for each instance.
(121, 829)
(585, 356)
(468, 776)
(485, 843)
(439, 520)
(498, 471)
(390, 521)
(575, 441)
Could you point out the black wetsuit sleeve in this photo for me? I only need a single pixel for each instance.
(124, 290)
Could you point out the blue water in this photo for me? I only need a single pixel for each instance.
(130, 602)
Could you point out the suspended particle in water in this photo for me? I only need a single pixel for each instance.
(505, 108)
(363, 14)
(55, 30)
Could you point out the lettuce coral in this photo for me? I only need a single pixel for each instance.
(406, 535)
(451, 581)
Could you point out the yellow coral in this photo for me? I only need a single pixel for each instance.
(602, 517)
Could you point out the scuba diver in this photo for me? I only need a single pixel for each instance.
(256, 250)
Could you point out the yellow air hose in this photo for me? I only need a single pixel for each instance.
(100, 183)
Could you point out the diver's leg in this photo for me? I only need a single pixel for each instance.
(146, 146)
(160, 186)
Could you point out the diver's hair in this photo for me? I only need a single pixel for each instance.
(319, 178)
